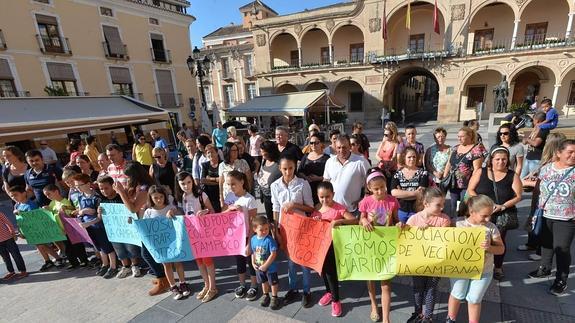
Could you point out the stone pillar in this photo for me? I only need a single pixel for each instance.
(555, 93)
(299, 56)
(569, 26)
(515, 29)
(331, 53)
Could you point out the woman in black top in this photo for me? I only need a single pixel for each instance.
(83, 162)
(15, 169)
(268, 173)
(482, 182)
(162, 170)
(312, 166)
(408, 183)
(211, 178)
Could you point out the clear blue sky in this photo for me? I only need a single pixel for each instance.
(212, 14)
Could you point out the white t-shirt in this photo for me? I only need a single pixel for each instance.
(223, 170)
(246, 202)
(191, 204)
(347, 179)
(151, 213)
(297, 191)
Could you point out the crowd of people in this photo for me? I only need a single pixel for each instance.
(331, 181)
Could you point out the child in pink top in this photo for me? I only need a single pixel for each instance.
(337, 214)
(8, 247)
(425, 288)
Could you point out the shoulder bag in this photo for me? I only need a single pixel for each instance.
(449, 181)
(507, 219)
(537, 222)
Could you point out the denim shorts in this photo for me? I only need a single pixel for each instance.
(471, 290)
(126, 250)
(98, 236)
(264, 276)
(404, 215)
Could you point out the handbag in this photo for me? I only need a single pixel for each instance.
(537, 224)
(450, 181)
(507, 219)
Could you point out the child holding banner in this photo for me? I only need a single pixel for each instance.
(479, 208)
(238, 199)
(264, 251)
(158, 200)
(378, 208)
(425, 288)
(8, 247)
(337, 214)
(194, 202)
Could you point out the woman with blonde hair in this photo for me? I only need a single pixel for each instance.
(162, 170)
(387, 151)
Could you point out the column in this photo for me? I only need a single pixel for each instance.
(569, 26)
(330, 49)
(555, 93)
(299, 56)
(515, 29)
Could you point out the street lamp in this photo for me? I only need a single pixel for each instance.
(202, 68)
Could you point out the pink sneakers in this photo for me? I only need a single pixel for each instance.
(336, 309)
(325, 299)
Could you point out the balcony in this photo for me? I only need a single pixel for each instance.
(3, 45)
(137, 96)
(343, 62)
(164, 5)
(14, 94)
(54, 45)
(160, 55)
(169, 100)
(536, 44)
(120, 53)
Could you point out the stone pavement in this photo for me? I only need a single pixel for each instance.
(61, 296)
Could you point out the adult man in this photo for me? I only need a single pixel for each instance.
(363, 141)
(117, 164)
(199, 158)
(159, 142)
(536, 142)
(347, 173)
(92, 152)
(219, 136)
(48, 154)
(187, 131)
(551, 115)
(330, 150)
(39, 175)
(285, 147)
(410, 141)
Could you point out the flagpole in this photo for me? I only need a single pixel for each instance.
(408, 16)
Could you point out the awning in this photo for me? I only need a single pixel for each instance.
(294, 104)
(29, 118)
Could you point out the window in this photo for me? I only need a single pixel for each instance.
(249, 65)
(324, 52)
(121, 81)
(106, 12)
(251, 91)
(62, 77)
(483, 39)
(7, 88)
(356, 101)
(153, 21)
(43, 1)
(49, 34)
(356, 53)
(229, 96)
(159, 54)
(294, 58)
(571, 100)
(208, 95)
(226, 72)
(417, 43)
(113, 43)
(535, 33)
(166, 97)
(475, 95)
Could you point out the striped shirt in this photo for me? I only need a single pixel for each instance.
(6, 228)
(117, 173)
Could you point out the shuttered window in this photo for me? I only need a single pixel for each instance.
(61, 72)
(120, 75)
(166, 95)
(114, 42)
(5, 72)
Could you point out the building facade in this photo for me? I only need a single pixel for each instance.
(136, 48)
(430, 76)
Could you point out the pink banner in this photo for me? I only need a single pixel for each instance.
(216, 235)
(74, 230)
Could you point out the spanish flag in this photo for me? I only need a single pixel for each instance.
(408, 15)
(384, 25)
(435, 19)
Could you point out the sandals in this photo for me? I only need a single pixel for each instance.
(202, 293)
(374, 316)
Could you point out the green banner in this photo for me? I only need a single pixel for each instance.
(365, 255)
(39, 227)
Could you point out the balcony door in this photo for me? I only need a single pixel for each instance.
(483, 39)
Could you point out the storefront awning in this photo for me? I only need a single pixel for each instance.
(294, 104)
(30, 118)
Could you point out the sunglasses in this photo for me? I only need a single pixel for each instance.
(504, 133)
(353, 144)
(314, 142)
(386, 135)
(157, 157)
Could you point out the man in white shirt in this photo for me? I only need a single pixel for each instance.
(347, 173)
(48, 154)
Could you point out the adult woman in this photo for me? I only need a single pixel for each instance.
(268, 173)
(181, 145)
(386, 152)
(83, 161)
(75, 148)
(142, 151)
(162, 170)
(507, 137)
(312, 166)
(408, 183)
(231, 162)
(464, 158)
(557, 200)
(494, 181)
(210, 179)
(233, 134)
(13, 173)
(436, 156)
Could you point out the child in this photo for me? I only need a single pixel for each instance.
(20, 196)
(68, 178)
(264, 252)
(194, 202)
(159, 206)
(88, 203)
(425, 288)
(292, 194)
(127, 253)
(379, 208)
(479, 209)
(9, 247)
(75, 253)
(335, 213)
(238, 199)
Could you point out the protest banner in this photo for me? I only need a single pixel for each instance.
(115, 217)
(166, 239)
(216, 235)
(74, 230)
(39, 226)
(306, 240)
(365, 255)
(441, 252)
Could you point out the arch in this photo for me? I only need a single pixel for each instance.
(553, 69)
(314, 47)
(570, 5)
(281, 49)
(440, 6)
(277, 33)
(555, 21)
(477, 87)
(511, 4)
(344, 23)
(314, 26)
(566, 71)
(485, 32)
(351, 94)
(567, 82)
(469, 74)
(285, 88)
(343, 39)
(315, 85)
(530, 80)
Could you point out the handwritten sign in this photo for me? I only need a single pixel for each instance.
(39, 227)
(441, 252)
(216, 235)
(74, 230)
(365, 255)
(165, 238)
(115, 217)
(307, 240)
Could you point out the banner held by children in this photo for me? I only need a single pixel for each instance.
(307, 240)
(165, 238)
(39, 226)
(365, 255)
(216, 235)
(441, 252)
(76, 233)
(115, 217)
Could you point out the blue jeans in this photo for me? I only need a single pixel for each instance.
(471, 290)
(292, 276)
(529, 165)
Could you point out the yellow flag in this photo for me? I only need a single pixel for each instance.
(408, 15)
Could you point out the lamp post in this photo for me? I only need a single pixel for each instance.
(202, 68)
